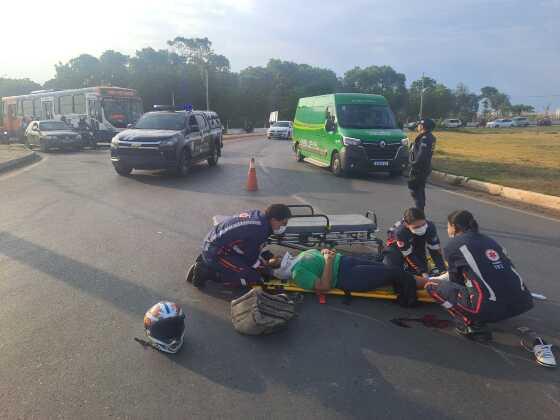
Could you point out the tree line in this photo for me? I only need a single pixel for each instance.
(179, 73)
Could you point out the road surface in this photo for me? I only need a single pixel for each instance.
(84, 252)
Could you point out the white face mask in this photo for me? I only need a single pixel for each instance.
(421, 231)
(280, 230)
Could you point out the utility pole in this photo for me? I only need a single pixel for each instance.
(207, 100)
(421, 98)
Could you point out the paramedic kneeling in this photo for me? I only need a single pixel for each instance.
(326, 269)
(233, 247)
(483, 285)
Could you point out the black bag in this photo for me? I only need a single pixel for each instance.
(258, 312)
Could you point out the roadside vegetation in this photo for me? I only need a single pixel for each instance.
(527, 158)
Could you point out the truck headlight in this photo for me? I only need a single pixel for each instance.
(404, 142)
(169, 142)
(350, 141)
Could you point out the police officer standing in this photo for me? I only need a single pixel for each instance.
(421, 161)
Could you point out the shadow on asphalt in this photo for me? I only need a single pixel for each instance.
(337, 354)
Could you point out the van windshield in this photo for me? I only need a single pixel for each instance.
(365, 116)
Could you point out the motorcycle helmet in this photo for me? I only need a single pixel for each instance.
(165, 326)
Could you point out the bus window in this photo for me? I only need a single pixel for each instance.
(1, 113)
(27, 108)
(80, 104)
(56, 106)
(37, 108)
(66, 105)
(20, 108)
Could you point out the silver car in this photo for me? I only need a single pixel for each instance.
(51, 133)
(280, 130)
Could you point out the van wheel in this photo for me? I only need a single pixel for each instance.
(299, 156)
(184, 165)
(336, 165)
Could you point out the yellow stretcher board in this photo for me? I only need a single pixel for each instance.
(383, 293)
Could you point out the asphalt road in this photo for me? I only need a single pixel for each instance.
(84, 253)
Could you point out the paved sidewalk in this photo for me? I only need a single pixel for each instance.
(13, 155)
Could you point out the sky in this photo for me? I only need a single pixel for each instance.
(513, 45)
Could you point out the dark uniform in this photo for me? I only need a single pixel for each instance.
(484, 285)
(420, 167)
(233, 247)
(409, 250)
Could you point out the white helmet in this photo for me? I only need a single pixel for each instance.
(165, 326)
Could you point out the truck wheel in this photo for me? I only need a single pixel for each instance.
(214, 156)
(299, 156)
(122, 170)
(184, 165)
(336, 165)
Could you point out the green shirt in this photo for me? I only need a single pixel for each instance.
(309, 268)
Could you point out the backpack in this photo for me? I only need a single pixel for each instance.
(258, 312)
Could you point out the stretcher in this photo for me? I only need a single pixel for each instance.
(307, 229)
(382, 293)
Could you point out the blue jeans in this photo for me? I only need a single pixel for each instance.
(360, 275)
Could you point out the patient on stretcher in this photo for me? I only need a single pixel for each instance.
(326, 269)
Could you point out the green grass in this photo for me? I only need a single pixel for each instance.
(527, 158)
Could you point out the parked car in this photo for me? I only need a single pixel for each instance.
(170, 139)
(452, 123)
(52, 133)
(500, 123)
(412, 125)
(280, 130)
(543, 122)
(520, 121)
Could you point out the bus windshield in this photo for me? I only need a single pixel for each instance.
(365, 116)
(121, 112)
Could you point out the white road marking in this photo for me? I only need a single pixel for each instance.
(529, 213)
(302, 201)
(15, 172)
(264, 168)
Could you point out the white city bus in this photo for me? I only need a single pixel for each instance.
(106, 109)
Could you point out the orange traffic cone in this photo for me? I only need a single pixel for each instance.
(252, 177)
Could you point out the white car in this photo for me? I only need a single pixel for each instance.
(520, 121)
(500, 123)
(452, 123)
(280, 130)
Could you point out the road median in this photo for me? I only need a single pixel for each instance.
(14, 156)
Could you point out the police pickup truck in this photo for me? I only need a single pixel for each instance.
(168, 139)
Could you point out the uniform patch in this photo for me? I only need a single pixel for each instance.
(492, 255)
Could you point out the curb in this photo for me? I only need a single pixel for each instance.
(22, 161)
(241, 136)
(514, 194)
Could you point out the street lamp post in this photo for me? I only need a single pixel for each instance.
(421, 98)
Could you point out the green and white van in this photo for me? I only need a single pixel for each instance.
(349, 132)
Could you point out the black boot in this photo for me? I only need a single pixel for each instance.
(477, 332)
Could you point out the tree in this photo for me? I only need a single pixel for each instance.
(438, 99)
(13, 87)
(79, 72)
(380, 80)
(465, 103)
(500, 101)
(114, 68)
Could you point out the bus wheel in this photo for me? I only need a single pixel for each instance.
(336, 165)
(299, 156)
